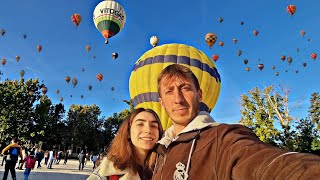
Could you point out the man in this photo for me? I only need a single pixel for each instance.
(82, 158)
(195, 147)
(12, 151)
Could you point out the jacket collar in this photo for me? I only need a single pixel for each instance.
(106, 168)
(201, 121)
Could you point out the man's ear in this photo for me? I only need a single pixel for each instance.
(160, 101)
(200, 95)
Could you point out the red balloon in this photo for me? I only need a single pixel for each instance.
(215, 57)
(313, 56)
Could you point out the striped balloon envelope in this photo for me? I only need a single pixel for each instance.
(109, 18)
(143, 78)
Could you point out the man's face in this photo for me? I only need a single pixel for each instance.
(180, 99)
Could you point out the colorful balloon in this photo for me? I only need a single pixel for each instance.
(234, 40)
(143, 78)
(220, 19)
(3, 61)
(283, 58)
(289, 59)
(215, 57)
(273, 67)
(74, 82)
(304, 64)
(88, 48)
(17, 58)
(89, 87)
(67, 79)
(2, 32)
(248, 69)
(239, 52)
(302, 32)
(221, 43)
(114, 55)
(255, 32)
(154, 40)
(61, 99)
(44, 89)
(22, 73)
(277, 73)
(291, 9)
(245, 61)
(76, 19)
(57, 91)
(260, 66)
(109, 18)
(39, 48)
(313, 56)
(99, 77)
(211, 39)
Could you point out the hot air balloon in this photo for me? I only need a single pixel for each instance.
(44, 89)
(112, 88)
(304, 64)
(297, 49)
(76, 19)
(211, 39)
(109, 18)
(71, 95)
(286, 71)
(17, 58)
(24, 36)
(289, 59)
(61, 99)
(220, 19)
(277, 73)
(291, 9)
(239, 52)
(2, 32)
(67, 79)
(39, 48)
(22, 73)
(154, 40)
(74, 82)
(215, 57)
(143, 78)
(3, 61)
(88, 48)
(221, 43)
(302, 32)
(283, 58)
(99, 77)
(297, 71)
(81, 96)
(114, 55)
(234, 40)
(273, 67)
(82, 69)
(57, 91)
(245, 61)
(248, 69)
(260, 66)
(89, 87)
(241, 23)
(313, 56)
(255, 32)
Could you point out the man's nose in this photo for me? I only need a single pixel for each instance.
(178, 97)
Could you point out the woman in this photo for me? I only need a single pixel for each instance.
(130, 155)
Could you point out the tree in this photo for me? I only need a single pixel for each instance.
(305, 136)
(314, 109)
(261, 109)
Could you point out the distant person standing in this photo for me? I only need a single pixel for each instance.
(39, 157)
(51, 159)
(66, 157)
(12, 158)
(82, 157)
(46, 157)
(3, 145)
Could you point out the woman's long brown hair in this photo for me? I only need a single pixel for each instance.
(122, 151)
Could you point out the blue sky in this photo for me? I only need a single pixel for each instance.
(49, 23)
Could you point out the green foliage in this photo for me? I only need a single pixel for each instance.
(314, 109)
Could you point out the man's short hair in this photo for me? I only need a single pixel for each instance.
(177, 70)
(15, 139)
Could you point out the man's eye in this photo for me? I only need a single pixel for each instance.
(168, 91)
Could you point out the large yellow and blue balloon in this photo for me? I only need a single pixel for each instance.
(143, 78)
(109, 18)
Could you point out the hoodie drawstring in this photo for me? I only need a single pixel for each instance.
(190, 154)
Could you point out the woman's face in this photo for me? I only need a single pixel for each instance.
(144, 131)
